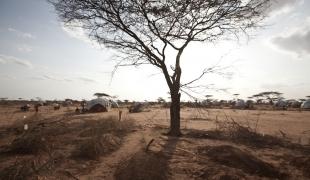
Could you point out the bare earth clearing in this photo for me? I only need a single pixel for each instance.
(216, 144)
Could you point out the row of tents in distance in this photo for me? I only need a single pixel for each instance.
(104, 104)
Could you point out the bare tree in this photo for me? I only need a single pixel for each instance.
(143, 31)
(270, 96)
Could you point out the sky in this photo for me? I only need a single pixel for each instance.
(40, 57)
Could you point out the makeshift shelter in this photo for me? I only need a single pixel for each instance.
(206, 103)
(137, 107)
(280, 104)
(249, 104)
(114, 104)
(98, 105)
(240, 104)
(294, 104)
(305, 105)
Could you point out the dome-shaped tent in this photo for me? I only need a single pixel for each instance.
(114, 104)
(280, 104)
(98, 105)
(305, 105)
(240, 104)
(206, 103)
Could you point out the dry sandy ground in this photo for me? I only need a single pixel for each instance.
(213, 145)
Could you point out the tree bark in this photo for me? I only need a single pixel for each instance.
(175, 113)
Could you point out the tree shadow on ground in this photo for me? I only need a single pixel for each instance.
(148, 165)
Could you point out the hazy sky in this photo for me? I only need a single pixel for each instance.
(41, 58)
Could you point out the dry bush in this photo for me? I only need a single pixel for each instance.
(233, 157)
(31, 168)
(96, 146)
(29, 143)
(231, 130)
(302, 163)
(143, 165)
(109, 124)
(17, 127)
(18, 171)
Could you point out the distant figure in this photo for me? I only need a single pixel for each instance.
(120, 115)
(37, 107)
(83, 103)
(77, 110)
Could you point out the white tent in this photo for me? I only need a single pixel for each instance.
(280, 103)
(305, 105)
(205, 103)
(98, 105)
(114, 104)
(240, 103)
(294, 104)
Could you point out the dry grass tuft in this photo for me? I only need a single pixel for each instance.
(96, 146)
(29, 143)
(109, 124)
(302, 163)
(233, 131)
(31, 168)
(103, 136)
(143, 165)
(233, 157)
(18, 171)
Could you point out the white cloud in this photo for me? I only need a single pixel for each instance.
(5, 76)
(54, 78)
(296, 40)
(63, 78)
(77, 32)
(87, 80)
(4, 59)
(22, 34)
(24, 48)
(49, 77)
(273, 86)
(278, 7)
(37, 78)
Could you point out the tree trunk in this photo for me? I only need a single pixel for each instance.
(175, 113)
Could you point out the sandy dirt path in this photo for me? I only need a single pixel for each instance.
(108, 164)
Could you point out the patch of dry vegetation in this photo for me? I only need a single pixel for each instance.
(109, 124)
(35, 148)
(235, 158)
(96, 146)
(302, 163)
(17, 171)
(31, 167)
(29, 143)
(241, 134)
(102, 137)
(143, 165)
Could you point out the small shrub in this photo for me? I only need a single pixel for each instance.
(29, 143)
(18, 171)
(143, 165)
(106, 125)
(97, 146)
